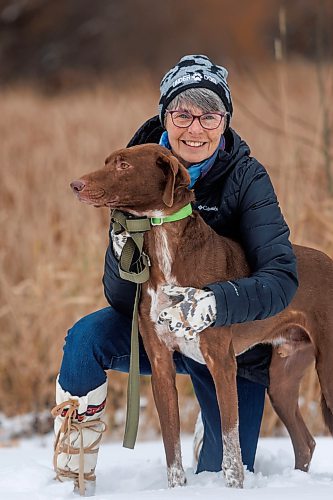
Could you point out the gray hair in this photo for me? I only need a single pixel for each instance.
(202, 98)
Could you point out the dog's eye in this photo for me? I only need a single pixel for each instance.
(123, 165)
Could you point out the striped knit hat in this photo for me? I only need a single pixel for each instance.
(194, 71)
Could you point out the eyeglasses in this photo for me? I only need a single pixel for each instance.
(184, 119)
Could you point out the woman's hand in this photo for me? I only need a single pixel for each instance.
(195, 311)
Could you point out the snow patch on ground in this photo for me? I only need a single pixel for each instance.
(122, 474)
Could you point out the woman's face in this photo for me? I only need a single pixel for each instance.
(194, 143)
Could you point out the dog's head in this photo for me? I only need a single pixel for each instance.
(142, 179)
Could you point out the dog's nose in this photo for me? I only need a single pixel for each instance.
(77, 186)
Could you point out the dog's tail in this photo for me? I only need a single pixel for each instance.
(327, 414)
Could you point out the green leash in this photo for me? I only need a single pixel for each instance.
(134, 266)
(136, 271)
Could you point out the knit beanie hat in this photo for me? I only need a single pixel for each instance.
(194, 71)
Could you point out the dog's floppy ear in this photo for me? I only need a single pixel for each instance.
(107, 160)
(176, 174)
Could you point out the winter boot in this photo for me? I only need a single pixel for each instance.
(78, 429)
(197, 439)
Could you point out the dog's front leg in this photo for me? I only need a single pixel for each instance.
(217, 349)
(166, 400)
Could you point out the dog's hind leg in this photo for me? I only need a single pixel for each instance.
(216, 347)
(324, 359)
(285, 378)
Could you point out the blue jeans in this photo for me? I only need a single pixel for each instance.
(101, 341)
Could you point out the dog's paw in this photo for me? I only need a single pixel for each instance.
(176, 477)
(233, 472)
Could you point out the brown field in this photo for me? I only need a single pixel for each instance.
(52, 250)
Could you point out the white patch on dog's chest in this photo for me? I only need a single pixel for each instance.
(190, 348)
(160, 301)
(163, 255)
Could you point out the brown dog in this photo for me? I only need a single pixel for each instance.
(147, 180)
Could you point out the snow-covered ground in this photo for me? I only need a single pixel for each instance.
(26, 473)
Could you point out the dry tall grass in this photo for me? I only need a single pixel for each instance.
(52, 250)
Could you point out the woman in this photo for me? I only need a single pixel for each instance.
(235, 197)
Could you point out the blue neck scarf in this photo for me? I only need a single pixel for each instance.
(198, 169)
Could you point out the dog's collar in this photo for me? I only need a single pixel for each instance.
(180, 214)
(121, 221)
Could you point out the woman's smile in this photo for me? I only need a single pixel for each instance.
(193, 144)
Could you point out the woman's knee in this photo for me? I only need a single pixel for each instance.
(105, 333)
(87, 353)
(91, 333)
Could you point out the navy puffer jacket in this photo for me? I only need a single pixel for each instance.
(237, 200)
